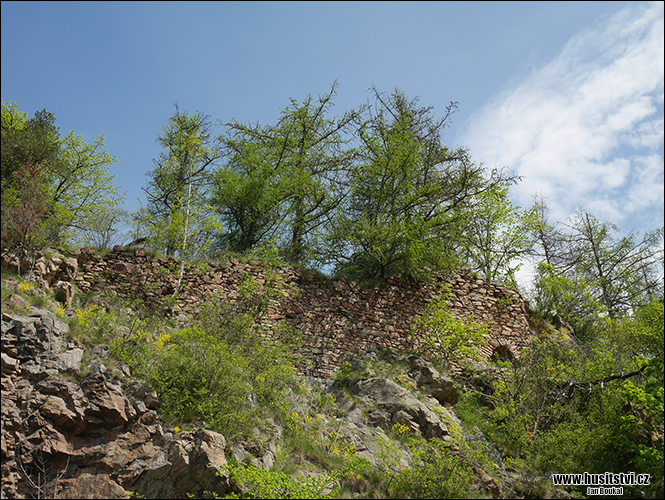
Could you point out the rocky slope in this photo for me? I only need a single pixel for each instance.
(94, 432)
(76, 424)
(96, 438)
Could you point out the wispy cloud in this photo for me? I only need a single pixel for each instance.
(587, 129)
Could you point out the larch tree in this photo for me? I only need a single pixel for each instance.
(281, 181)
(409, 195)
(177, 216)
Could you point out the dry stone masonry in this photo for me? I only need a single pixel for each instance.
(336, 318)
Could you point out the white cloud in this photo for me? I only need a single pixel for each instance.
(587, 129)
(648, 188)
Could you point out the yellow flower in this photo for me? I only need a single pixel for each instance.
(161, 341)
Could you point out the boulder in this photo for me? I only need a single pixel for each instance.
(91, 486)
(10, 262)
(17, 302)
(402, 406)
(107, 405)
(432, 382)
(191, 466)
(9, 364)
(64, 291)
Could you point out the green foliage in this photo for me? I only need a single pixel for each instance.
(54, 190)
(647, 331)
(247, 193)
(624, 271)
(443, 337)
(640, 437)
(504, 302)
(595, 406)
(439, 469)
(590, 272)
(436, 472)
(177, 217)
(497, 235)
(372, 192)
(210, 389)
(257, 482)
(26, 146)
(26, 141)
(82, 188)
(409, 196)
(573, 300)
(227, 388)
(347, 376)
(102, 227)
(471, 411)
(582, 442)
(281, 181)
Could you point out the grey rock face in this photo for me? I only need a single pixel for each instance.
(432, 382)
(402, 406)
(65, 440)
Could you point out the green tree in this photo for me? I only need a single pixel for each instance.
(497, 236)
(409, 196)
(24, 207)
(594, 271)
(624, 270)
(444, 337)
(102, 228)
(28, 147)
(248, 191)
(282, 181)
(81, 186)
(550, 244)
(595, 404)
(570, 298)
(26, 142)
(177, 217)
(319, 160)
(53, 188)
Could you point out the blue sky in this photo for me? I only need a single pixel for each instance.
(567, 94)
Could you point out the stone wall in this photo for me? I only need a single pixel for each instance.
(336, 318)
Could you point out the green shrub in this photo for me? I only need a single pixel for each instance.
(199, 377)
(436, 472)
(472, 412)
(257, 482)
(346, 376)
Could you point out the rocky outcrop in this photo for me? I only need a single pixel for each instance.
(98, 438)
(431, 382)
(378, 404)
(397, 405)
(75, 429)
(47, 268)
